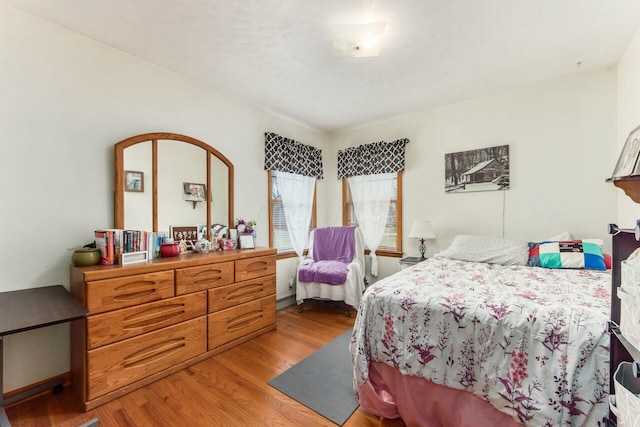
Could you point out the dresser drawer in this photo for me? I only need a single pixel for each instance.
(239, 293)
(203, 277)
(251, 268)
(111, 294)
(235, 322)
(116, 365)
(106, 328)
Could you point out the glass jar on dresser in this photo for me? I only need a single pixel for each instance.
(150, 320)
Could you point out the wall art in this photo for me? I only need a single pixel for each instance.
(483, 169)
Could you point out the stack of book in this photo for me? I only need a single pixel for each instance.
(114, 242)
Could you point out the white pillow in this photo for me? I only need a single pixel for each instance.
(487, 249)
(562, 236)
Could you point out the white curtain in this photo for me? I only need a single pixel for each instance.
(371, 195)
(296, 192)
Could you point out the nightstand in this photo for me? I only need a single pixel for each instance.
(409, 261)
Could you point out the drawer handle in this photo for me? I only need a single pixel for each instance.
(256, 267)
(133, 295)
(133, 291)
(244, 292)
(212, 275)
(153, 353)
(209, 271)
(244, 320)
(207, 280)
(153, 316)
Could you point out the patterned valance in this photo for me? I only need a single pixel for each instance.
(371, 159)
(286, 155)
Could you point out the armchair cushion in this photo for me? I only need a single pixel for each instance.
(333, 250)
(324, 271)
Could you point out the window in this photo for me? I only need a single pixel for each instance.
(391, 244)
(278, 231)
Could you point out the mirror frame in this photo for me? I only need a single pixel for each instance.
(153, 138)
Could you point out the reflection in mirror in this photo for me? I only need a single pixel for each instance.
(180, 163)
(218, 192)
(138, 205)
(168, 161)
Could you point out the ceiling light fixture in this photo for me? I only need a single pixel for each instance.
(358, 40)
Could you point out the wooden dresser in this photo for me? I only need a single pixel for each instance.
(150, 320)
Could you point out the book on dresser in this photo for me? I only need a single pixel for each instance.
(102, 242)
(114, 242)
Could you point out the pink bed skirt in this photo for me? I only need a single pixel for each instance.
(419, 402)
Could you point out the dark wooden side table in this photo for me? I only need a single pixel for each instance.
(28, 309)
(409, 261)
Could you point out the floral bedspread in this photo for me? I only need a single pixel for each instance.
(530, 341)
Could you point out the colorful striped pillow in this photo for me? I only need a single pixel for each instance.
(586, 253)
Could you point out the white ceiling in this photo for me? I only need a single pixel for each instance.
(278, 55)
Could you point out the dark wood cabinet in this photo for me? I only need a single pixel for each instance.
(623, 245)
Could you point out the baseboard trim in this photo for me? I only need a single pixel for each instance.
(285, 302)
(64, 379)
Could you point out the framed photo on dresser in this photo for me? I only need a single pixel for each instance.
(246, 241)
(187, 233)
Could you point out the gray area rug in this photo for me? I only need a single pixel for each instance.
(323, 381)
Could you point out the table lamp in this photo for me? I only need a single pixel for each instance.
(422, 230)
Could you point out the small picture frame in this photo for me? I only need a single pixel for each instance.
(134, 181)
(194, 192)
(628, 161)
(133, 257)
(246, 241)
(187, 233)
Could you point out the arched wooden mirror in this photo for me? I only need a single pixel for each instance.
(154, 174)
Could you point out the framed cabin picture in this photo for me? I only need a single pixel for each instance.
(483, 169)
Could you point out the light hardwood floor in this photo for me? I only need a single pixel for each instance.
(229, 389)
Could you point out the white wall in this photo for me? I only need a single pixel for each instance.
(65, 101)
(628, 119)
(559, 135)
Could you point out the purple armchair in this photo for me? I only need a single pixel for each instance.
(335, 267)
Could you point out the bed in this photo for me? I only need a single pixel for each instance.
(467, 341)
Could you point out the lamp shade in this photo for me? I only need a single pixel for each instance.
(422, 230)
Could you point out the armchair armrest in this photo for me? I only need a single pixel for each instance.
(356, 266)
